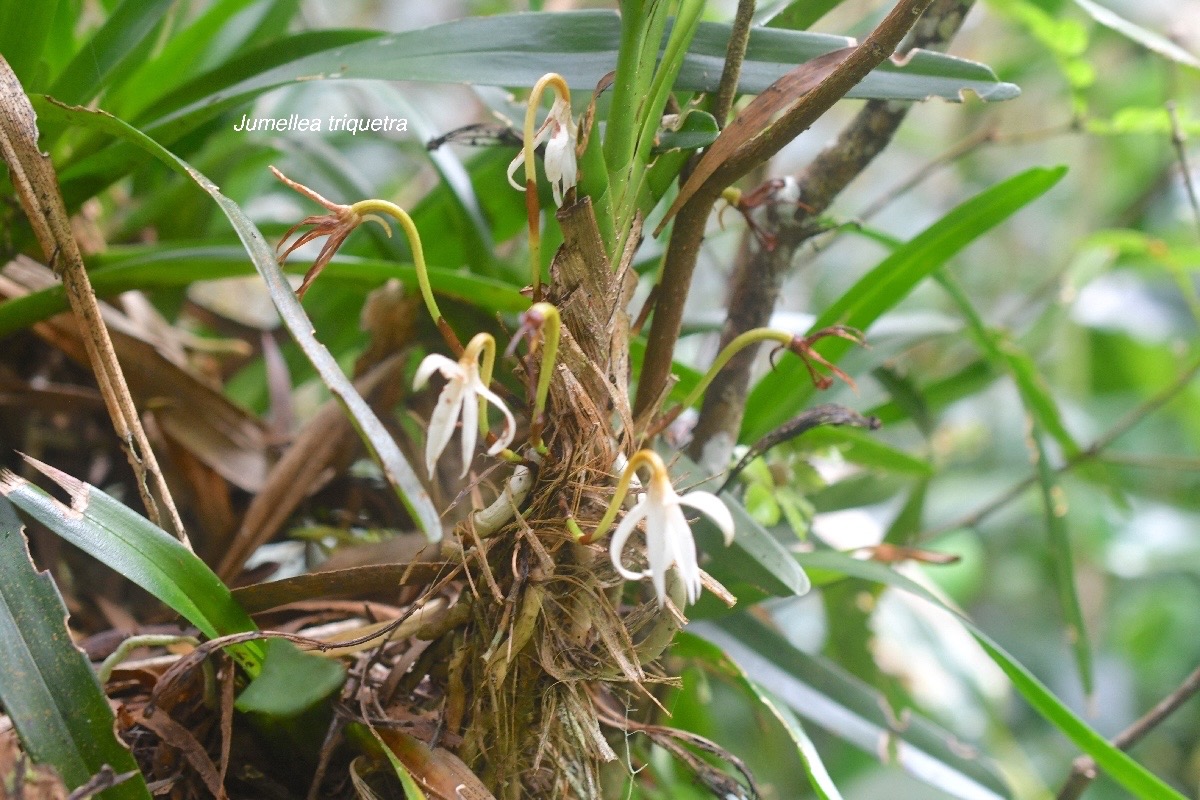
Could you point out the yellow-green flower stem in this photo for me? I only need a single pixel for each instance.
(551, 326)
(750, 337)
(482, 344)
(532, 207)
(365, 209)
(642, 458)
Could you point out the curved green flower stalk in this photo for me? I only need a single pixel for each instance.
(545, 318)
(338, 225)
(802, 346)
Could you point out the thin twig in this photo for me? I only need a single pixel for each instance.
(1179, 140)
(1083, 769)
(1090, 453)
(735, 53)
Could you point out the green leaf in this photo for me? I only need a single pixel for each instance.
(798, 15)
(824, 694)
(1059, 542)
(517, 49)
(1118, 764)
(118, 38)
(130, 544)
(1003, 352)
(779, 395)
(155, 267)
(49, 690)
(395, 468)
(1148, 39)
(291, 683)
(689, 645)
(223, 28)
(24, 31)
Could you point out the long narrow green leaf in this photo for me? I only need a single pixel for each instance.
(24, 31)
(141, 551)
(1004, 352)
(205, 42)
(155, 267)
(826, 695)
(690, 645)
(1148, 39)
(397, 470)
(1059, 545)
(799, 15)
(517, 49)
(48, 688)
(785, 391)
(1118, 764)
(120, 35)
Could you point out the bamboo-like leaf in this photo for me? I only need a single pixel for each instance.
(798, 15)
(1119, 765)
(517, 49)
(129, 543)
(396, 469)
(692, 646)
(1148, 39)
(24, 31)
(826, 695)
(1059, 546)
(125, 30)
(782, 393)
(48, 688)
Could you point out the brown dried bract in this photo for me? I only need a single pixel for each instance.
(337, 225)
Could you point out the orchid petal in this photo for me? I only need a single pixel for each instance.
(617, 545)
(659, 547)
(712, 507)
(470, 427)
(435, 362)
(441, 423)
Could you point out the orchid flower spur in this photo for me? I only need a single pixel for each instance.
(465, 395)
(668, 536)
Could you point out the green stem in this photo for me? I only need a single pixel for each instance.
(642, 458)
(551, 326)
(365, 208)
(750, 337)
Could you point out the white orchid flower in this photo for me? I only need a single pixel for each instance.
(668, 536)
(559, 132)
(465, 395)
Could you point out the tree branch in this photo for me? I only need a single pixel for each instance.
(759, 274)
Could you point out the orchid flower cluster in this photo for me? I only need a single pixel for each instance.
(467, 393)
